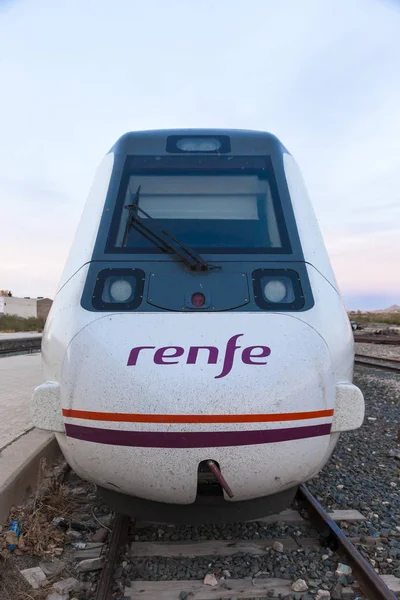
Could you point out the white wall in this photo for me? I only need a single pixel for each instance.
(23, 307)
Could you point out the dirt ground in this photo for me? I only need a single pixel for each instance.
(81, 517)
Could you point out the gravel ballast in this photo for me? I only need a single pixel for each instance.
(362, 474)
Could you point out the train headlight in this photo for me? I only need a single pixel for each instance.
(121, 290)
(278, 290)
(198, 144)
(116, 289)
(220, 144)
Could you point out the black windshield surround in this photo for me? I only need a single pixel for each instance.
(203, 166)
(168, 285)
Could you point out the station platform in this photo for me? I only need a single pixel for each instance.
(18, 376)
(22, 447)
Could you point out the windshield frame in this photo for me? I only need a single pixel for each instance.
(198, 165)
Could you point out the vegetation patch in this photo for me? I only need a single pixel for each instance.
(13, 323)
(374, 317)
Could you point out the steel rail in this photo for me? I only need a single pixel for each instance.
(377, 362)
(395, 361)
(119, 531)
(393, 340)
(372, 586)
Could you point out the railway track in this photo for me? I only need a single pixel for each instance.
(376, 362)
(19, 351)
(392, 340)
(368, 581)
(14, 347)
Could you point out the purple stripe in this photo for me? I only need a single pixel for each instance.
(193, 439)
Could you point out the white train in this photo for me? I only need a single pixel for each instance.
(198, 358)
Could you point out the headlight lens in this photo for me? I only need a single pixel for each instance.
(118, 290)
(278, 290)
(275, 291)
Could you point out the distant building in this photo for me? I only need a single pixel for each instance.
(43, 307)
(22, 307)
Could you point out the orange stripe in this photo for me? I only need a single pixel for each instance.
(141, 418)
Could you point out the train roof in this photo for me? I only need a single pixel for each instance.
(242, 141)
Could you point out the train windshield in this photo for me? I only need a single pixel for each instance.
(211, 213)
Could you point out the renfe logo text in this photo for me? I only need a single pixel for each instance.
(252, 355)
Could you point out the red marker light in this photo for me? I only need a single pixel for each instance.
(198, 299)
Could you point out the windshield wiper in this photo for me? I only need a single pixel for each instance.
(132, 212)
(193, 260)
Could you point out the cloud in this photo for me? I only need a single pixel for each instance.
(6, 4)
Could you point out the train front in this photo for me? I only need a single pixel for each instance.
(198, 358)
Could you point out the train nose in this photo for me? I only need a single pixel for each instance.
(147, 398)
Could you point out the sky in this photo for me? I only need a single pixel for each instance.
(322, 75)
